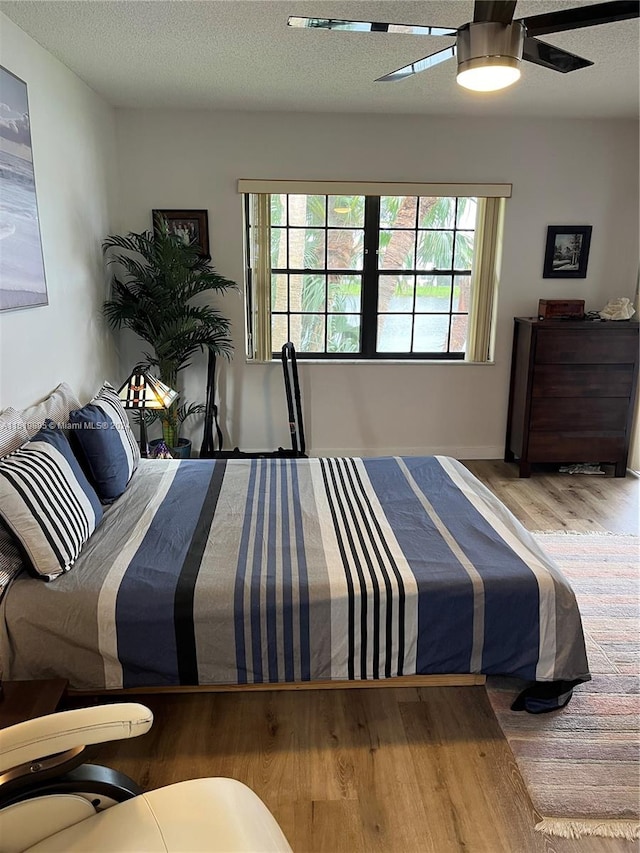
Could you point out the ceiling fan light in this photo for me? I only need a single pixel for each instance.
(490, 75)
(489, 55)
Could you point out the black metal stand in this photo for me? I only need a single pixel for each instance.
(294, 409)
(208, 447)
(144, 444)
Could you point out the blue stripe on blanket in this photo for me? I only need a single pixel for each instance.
(445, 606)
(511, 626)
(146, 596)
(185, 597)
(272, 526)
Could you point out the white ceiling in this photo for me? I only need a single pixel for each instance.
(240, 55)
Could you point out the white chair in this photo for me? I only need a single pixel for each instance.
(52, 803)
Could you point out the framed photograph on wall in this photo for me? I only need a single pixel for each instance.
(567, 251)
(22, 277)
(191, 225)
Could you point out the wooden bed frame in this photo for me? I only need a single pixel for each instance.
(457, 680)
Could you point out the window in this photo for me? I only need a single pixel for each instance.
(317, 267)
(367, 276)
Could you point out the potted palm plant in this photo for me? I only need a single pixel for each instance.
(155, 298)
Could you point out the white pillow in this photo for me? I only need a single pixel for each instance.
(13, 432)
(55, 407)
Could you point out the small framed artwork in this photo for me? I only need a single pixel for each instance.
(191, 225)
(567, 251)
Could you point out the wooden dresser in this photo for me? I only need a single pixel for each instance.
(573, 387)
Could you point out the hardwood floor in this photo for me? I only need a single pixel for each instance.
(551, 501)
(387, 770)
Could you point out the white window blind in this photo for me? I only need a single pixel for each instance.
(260, 258)
(485, 278)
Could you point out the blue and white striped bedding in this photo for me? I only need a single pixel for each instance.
(274, 570)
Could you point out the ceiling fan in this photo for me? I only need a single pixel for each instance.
(490, 48)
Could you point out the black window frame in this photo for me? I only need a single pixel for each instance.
(370, 287)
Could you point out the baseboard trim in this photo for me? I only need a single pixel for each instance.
(456, 452)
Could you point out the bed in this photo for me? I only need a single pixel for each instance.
(272, 571)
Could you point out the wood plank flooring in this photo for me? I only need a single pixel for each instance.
(578, 502)
(410, 770)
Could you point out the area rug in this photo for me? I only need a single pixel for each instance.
(581, 764)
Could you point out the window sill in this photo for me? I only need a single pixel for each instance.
(379, 362)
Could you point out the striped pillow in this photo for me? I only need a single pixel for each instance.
(105, 445)
(10, 558)
(47, 502)
(55, 407)
(13, 432)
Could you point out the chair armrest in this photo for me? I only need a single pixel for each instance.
(36, 739)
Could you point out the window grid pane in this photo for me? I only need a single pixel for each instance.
(343, 333)
(344, 294)
(419, 270)
(279, 293)
(442, 237)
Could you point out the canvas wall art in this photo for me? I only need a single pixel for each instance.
(22, 276)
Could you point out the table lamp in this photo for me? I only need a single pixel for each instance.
(143, 391)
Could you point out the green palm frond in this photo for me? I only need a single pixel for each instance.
(152, 295)
(187, 411)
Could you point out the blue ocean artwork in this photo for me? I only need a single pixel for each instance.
(22, 274)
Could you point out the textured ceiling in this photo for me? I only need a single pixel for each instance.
(240, 55)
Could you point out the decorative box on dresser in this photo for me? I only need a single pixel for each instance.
(573, 388)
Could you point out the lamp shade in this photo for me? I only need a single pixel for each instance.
(143, 391)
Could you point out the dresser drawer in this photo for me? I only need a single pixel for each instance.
(582, 380)
(580, 346)
(579, 414)
(550, 447)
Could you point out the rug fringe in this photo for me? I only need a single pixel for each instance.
(581, 533)
(578, 828)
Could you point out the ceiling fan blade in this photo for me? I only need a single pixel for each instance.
(583, 16)
(369, 27)
(420, 65)
(549, 56)
(494, 11)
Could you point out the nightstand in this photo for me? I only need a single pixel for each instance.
(25, 700)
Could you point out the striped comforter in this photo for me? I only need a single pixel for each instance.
(272, 570)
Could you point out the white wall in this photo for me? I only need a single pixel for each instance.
(73, 142)
(563, 172)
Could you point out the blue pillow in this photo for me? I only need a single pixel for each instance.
(47, 502)
(105, 445)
